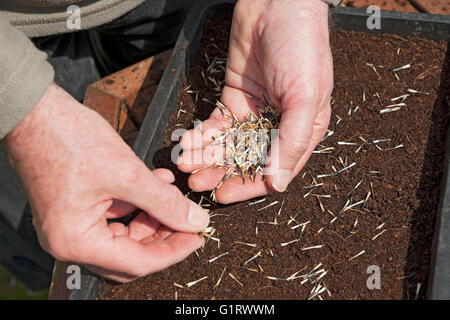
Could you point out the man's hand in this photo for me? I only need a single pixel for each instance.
(278, 49)
(78, 173)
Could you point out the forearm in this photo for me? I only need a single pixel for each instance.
(23, 139)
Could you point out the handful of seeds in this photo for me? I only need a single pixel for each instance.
(246, 143)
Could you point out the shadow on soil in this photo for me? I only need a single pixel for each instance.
(422, 225)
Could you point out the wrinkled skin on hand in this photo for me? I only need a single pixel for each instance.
(279, 49)
(78, 173)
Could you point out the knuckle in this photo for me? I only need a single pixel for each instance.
(296, 149)
(310, 95)
(131, 175)
(170, 197)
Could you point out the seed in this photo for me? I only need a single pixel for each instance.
(380, 226)
(402, 97)
(387, 110)
(353, 205)
(216, 239)
(378, 98)
(268, 206)
(313, 186)
(315, 268)
(354, 188)
(325, 175)
(294, 275)
(402, 104)
(407, 276)
(313, 247)
(380, 140)
(324, 151)
(369, 193)
(248, 269)
(182, 111)
(246, 244)
(354, 227)
(357, 150)
(317, 293)
(379, 234)
(218, 257)
(190, 284)
(273, 257)
(220, 278)
(417, 92)
(256, 202)
(329, 134)
(293, 218)
(396, 147)
(275, 278)
(289, 242)
(401, 68)
(362, 252)
(320, 204)
(309, 192)
(348, 167)
(374, 70)
(281, 207)
(321, 276)
(419, 285)
(304, 224)
(252, 258)
(219, 214)
(260, 268)
(234, 278)
(198, 257)
(370, 171)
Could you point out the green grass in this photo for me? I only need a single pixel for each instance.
(12, 289)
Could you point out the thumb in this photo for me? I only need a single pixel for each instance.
(161, 200)
(294, 137)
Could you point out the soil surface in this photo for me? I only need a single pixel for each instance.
(426, 6)
(392, 230)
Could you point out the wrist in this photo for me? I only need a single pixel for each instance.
(25, 134)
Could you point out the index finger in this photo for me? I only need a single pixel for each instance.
(130, 258)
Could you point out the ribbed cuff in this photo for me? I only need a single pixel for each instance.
(24, 88)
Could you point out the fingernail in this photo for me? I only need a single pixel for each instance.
(281, 180)
(198, 217)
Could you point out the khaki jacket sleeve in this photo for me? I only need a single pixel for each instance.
(25, 75)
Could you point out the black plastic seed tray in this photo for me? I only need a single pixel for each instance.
(151, 135)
